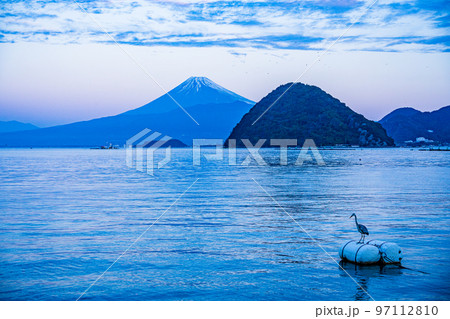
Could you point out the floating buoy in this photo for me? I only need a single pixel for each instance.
(360, 253)
(372, 252)
(391, 253)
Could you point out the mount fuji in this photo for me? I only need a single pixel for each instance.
(193, 91)
(203, 109)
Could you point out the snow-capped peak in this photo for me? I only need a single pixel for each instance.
(195, 90)
(195, 83)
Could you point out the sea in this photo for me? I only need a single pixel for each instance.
(81, 224)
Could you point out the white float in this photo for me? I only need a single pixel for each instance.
(391, 253)
(372, 252)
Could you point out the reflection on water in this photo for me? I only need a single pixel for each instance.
(66, 215)
(363, 273)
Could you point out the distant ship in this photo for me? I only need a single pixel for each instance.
(106, 147)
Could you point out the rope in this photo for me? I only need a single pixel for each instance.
(356, 254)
(343, 247)
(379, 246)
(399, 265)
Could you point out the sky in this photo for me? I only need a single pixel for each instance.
(58, 65)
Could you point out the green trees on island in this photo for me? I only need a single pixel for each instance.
(307, 112)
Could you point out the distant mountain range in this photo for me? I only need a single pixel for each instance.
(303, 112)
(307, 112)
(215, 109)
(14, 126)
(410, 125)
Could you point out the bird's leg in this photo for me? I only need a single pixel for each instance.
(360, 238)
(363, 237)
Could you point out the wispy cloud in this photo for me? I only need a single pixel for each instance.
(403, 25)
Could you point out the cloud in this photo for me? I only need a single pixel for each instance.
(404, 25)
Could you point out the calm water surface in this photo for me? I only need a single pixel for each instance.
(67, 214)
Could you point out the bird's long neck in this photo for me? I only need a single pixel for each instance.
(356, 221)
